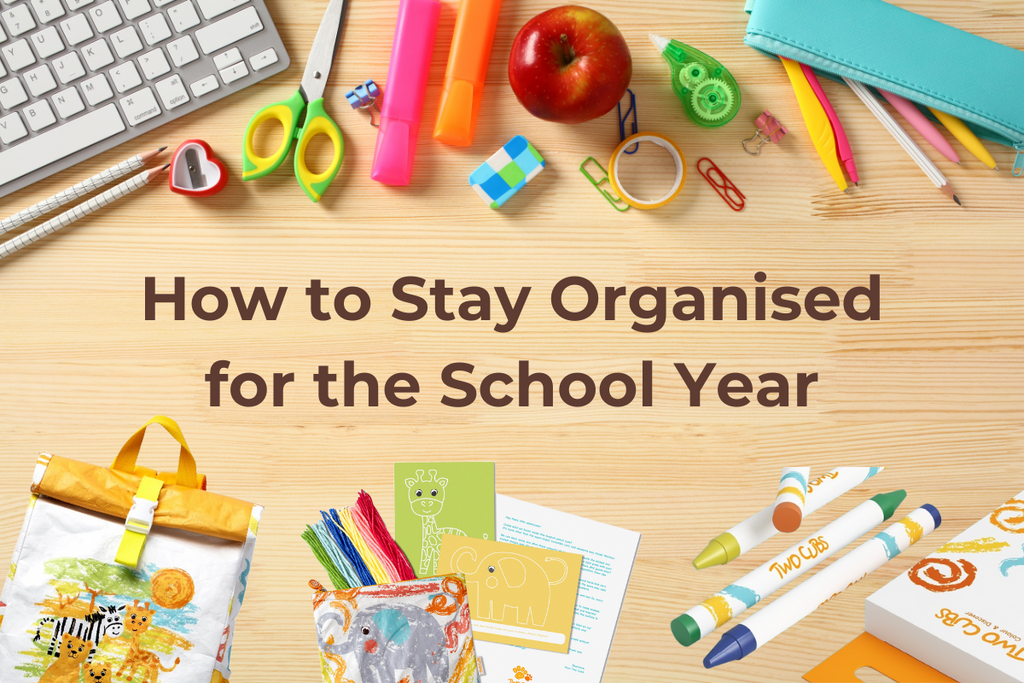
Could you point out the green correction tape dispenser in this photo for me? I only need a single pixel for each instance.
(709, 93)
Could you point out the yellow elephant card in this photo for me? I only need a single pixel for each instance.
(517, 595)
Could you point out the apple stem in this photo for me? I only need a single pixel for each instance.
(567, 49)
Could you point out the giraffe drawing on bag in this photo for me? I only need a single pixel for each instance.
(426, 498)
(138, 620)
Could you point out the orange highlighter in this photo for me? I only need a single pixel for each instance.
(467, 69)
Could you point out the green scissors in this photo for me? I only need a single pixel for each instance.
(308, 99)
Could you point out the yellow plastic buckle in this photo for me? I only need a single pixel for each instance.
(139, 522)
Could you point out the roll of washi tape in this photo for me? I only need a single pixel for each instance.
(677, 157)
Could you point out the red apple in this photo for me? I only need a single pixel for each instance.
(569, 65)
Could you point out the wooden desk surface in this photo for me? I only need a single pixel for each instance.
(934, 390)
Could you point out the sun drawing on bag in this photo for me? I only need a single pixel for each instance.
(103, 622)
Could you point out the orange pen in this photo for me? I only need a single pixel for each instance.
(467, 69)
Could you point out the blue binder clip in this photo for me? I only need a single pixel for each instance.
(364, 97)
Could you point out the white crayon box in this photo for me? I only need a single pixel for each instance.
(961, 609)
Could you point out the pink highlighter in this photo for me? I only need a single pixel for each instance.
(404, 91)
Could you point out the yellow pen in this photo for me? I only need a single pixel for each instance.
(817, 121)
(966, 137)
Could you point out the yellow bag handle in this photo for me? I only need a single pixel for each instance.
(126, 459)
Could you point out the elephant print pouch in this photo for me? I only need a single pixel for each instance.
(411, 632)
(125, 574)
(518, 595)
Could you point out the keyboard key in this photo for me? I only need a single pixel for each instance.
(3, 36)
(172, 92)
(60, 142)
(126, 42)
(183, 16)
(161, 3)
(220, 34)
(12, 93)
(133, 9)
(183, 51)
(3, 71)
(47, 42)
(233, 73)
(19, 55)
(97, 55)
(215, 8)
(76, 29)
(47, 10)
(226, 59)
(140, 106)
(97, 90)
(204, 85)
(155, 29)
(68, 103)
(40, 81)
(78, 4)
(105, 16)
(69, 68)
(12, 129)
(39, 115)
(18, 20)
(125, 77)
(264, 59)
(154, 64)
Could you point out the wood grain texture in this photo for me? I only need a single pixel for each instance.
(933, 390)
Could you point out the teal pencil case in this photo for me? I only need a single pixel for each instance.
(930, 63)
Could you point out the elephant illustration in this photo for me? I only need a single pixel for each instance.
(507, 580)
(388, 639)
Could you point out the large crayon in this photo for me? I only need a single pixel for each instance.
(755, 530)
(783, 569)
(775, 618)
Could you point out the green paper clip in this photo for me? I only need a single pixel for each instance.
(614, 200)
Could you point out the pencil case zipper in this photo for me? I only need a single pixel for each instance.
(992, 129)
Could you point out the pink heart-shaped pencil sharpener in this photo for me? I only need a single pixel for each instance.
(195, 171)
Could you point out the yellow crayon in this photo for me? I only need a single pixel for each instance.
(966, 137)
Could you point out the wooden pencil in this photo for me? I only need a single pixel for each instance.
(83, 188)
(915, 152)
(80, 211)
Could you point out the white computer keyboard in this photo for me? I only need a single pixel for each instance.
(78, 77)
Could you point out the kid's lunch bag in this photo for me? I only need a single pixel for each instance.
(125, 573)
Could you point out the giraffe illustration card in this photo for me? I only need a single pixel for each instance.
(518, 595)
(437, 498)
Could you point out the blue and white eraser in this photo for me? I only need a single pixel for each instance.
(507, 171)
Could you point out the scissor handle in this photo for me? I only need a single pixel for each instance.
(318, 122)
(288, 113)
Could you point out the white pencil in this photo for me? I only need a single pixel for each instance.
(83, 188)
(68, 217)
(915, 152)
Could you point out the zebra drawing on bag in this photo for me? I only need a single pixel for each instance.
(105, 621)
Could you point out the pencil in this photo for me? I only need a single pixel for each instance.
(83, 188)
(966, 137)
(68, 217)
(911, 148)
